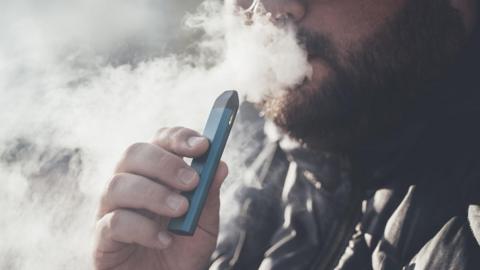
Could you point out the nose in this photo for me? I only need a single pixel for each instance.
(281, 10)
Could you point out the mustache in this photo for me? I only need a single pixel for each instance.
(317, 45)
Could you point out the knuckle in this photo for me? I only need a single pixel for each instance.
(185, 132)
(173, 135)
(162, 130)
(114, 223)
(114, 183)
(172, 166)
(135, 148)
(153, 194)
(164, 160)
(168, 162)
(171, 132)
(102, 228)
(165, 136)
(162, 133)
(176, 143)
(175, 130)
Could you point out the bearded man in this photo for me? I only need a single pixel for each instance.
(376, 165)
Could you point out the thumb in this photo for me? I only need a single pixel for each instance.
(209, 218)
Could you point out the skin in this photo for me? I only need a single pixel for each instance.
(137, 202)
(372, 61)
(141, 197)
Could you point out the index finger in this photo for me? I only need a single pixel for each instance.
(181, 141)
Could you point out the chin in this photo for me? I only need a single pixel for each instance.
(318, 112)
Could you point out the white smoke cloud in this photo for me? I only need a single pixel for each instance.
(81, 80)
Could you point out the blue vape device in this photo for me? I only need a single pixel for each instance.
(217, 129)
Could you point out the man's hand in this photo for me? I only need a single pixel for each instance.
(144, 194)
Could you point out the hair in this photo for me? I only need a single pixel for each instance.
(384, 79)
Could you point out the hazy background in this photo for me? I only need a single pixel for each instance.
(80, 80)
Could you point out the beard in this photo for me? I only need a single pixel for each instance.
(372, 90)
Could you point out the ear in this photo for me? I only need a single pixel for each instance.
(469, 11)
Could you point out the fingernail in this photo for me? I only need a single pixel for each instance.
(164, 238)
(195, 141)
(174, 202)
(187, 176)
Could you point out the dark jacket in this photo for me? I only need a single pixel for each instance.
(410, 201)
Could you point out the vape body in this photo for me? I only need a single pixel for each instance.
(217, 130)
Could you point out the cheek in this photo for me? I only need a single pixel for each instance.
(349, 22)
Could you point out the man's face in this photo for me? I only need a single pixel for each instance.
(371, 59)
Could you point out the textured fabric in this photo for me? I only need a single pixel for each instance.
(406, 201)
(301, 216)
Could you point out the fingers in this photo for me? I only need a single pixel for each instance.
(181, 141)
(123, 226)
(137, 192)
(153, 162)
(147, 180)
